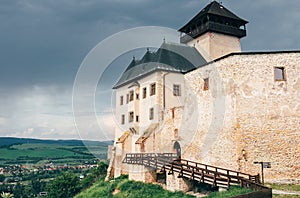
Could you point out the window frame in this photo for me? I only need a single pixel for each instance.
(176, 90)
(130, 116)
(144, 92)
(151, 113)
(123, 119)
(152, 89)
(205, 84)
(131, 95)
(121, 100)
(282, 71)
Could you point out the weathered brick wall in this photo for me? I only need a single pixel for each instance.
(268, 115)
(260, 115)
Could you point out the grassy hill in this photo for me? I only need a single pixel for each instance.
(37, 152)
(8, 141)
(122, 187)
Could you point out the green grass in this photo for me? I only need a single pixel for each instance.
(122, 187)
(36, 153)
(233, 191)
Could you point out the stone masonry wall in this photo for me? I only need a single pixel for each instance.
(246, 115)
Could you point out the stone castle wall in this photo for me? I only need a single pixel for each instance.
(243, 117)
(261, 117)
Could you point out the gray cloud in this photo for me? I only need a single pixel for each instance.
(42, 44)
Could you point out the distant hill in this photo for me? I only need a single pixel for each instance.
(8, 141)
(38, 152)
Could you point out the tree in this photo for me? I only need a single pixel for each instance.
(65, 186)
(18, 191)
(2, 178)
(96, 174)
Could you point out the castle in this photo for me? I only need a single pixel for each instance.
(207, 101)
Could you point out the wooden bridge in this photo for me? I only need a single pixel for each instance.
(202, 173)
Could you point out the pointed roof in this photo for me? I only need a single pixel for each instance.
(123, 137)
(213, 9)
(169, 57)
(150, 130)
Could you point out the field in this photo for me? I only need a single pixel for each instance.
(61, 152)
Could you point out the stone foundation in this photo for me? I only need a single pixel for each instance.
(178, 184)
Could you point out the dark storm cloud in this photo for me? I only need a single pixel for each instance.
(43, 42)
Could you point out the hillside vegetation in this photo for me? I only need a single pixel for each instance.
(122, 187)
(38, 152)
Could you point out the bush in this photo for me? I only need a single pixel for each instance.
(64, 186)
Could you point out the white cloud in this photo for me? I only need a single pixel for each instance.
(45, 112)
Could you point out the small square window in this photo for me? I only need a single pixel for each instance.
(121, 100)
(151, 113)
(152, 89)
(176, 90)
(131, 116)
(144, 92)
(175, 133)
(131, 95)
(279, 74)
(206, 84)
(123, 119)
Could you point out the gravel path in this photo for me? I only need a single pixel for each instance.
(281, 192)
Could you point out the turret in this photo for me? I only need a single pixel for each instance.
(214, 31)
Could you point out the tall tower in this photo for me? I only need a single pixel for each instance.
(214, 31)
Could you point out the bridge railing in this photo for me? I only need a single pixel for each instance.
(204, 173)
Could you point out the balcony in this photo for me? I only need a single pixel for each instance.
(213, 27)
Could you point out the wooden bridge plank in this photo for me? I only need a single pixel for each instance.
(202, 173)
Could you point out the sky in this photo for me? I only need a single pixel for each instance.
(43, 43)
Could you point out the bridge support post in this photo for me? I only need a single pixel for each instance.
(141, 173)
(174, 183)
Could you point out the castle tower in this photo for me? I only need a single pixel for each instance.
(214, 31)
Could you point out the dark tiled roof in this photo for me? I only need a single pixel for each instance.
(169, 57)
(216, 9)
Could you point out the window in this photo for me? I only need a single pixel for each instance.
(206, 84)
(279, 73)
(137, 96)
(173, 112)
(175, 133)
(131, 95)
(121, 100)
(127, 98)
(151, 114)
(137, 118)
(131, 116)
(123, 119)
(152, 89)
(176, 90)
(144, 92)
